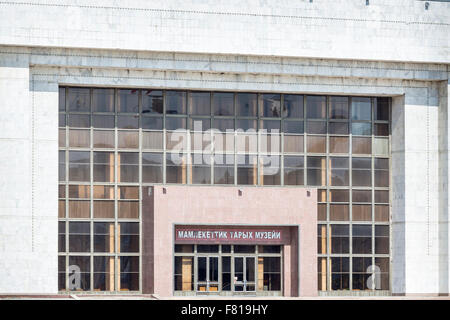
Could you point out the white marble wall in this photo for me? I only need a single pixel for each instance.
(324, 47)
(400, 30)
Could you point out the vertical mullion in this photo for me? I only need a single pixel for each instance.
(140, 108)
(116, 171)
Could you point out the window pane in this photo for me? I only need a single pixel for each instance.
(316, 144)
(270, 268)
(247, 142)
(223, 124)
(61, 165)
(128, 139)
(102, 121)
(339, 171)
(103, 192)
(322, 273)
(200, 124)
(247, 170)
(79, 191)
(361, 108)
(293, 143)
(103, 139)
(175, 123)
(273, 126)
(381, 196)
(316, 107)
(129, 167)
(79, 120)
(361, 145)
(128, 101)
(316, 171)
(339, 195)
(338, 127)
(362, 238)
(361, 172)
(223, 103)
(104, 273)
(270, 105)
(103, 166)
(362, 212)
(293, 170)
(152, 167)
(175, 102)
(292, 126)
(128, 210)
(103, 100)
(246, 104)
(79, 237)
(200, 103)
(246, 124)
(103, 209)
(381, 239)
(381, 109)
(293, 106)
(79, 100)
(128, 122)
(61, 208)
(62, 120)
(339, 145)
(362, 196)
(152, 123)
(200, 168)
(339, 212)
(339, 235)
(175, 168)
(338, 108)
(270, 170)
(62, 99)
(381, 146)
(184, 274)
(381, 129)
(79, 166)
(316, 127)
(129, 237)
(224, 169)
(79, 138)
(83, 265)
(361, 128)
(381, 173)
(129, 273)
(322, 212)
(152, 102)
(152, 140)
(104, 237)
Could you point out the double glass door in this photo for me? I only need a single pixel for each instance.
(244, 274)
(208, 273)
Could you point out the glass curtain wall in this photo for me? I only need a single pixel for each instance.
(114, 141)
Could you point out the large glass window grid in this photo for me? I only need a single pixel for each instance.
(310, 142)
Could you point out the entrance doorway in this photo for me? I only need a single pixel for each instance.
(244, 274)
(228, 270)
(208, 273)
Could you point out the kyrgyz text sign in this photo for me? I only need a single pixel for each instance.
(264, 235)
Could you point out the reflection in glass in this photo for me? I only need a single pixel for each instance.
(246, 104)
(103, 100)
(128, 101)
(223, 103)
(293, 106)
(361, 108)
(152, 102)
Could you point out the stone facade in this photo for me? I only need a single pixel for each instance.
(386, 48)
